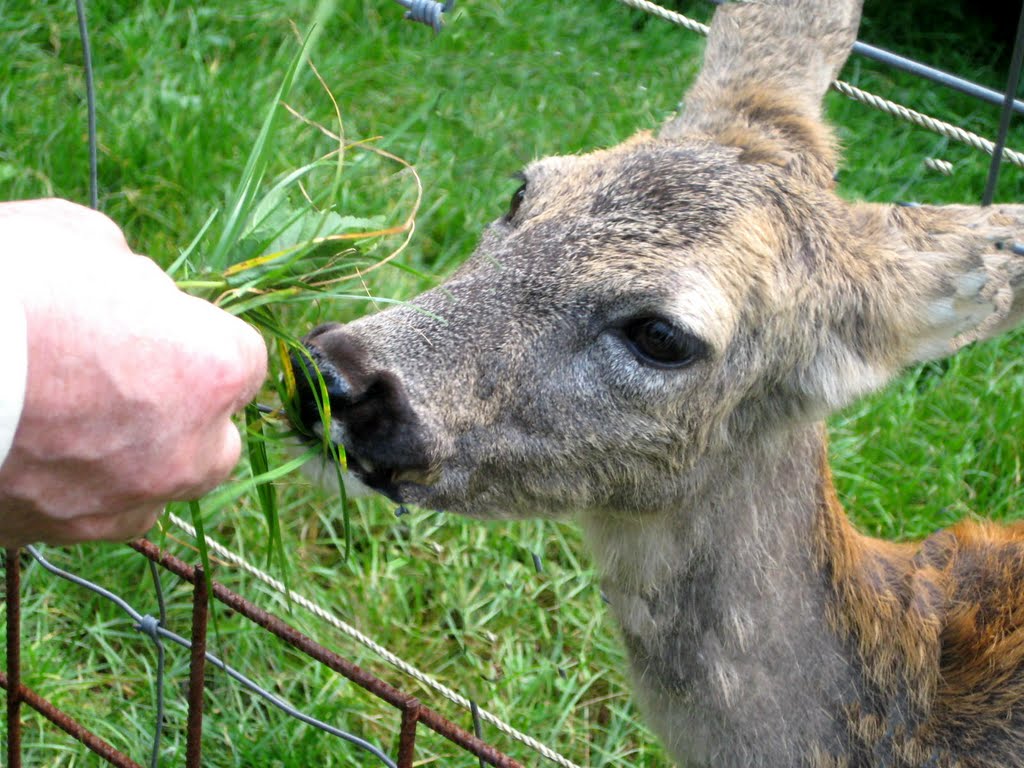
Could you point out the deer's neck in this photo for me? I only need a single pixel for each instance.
(723, 603)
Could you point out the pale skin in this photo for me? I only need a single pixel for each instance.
(131, 383)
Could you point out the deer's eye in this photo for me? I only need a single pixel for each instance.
(659, 343)
(517, 200)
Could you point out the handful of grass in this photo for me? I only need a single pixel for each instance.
(277, 245)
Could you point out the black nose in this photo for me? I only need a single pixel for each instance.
(370, 412)
(313, 378)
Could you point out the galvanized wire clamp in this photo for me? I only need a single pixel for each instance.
(427, 12)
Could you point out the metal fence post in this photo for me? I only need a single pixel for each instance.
(407, 735)
(12, 591)
(1004, 119)
(197, 671)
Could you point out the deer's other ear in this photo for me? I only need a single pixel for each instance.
(767, 66)
(921, 283)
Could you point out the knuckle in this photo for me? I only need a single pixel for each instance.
(106, 227)
(237, 368)
(59, 206)
(84, 219)
(204, 464)
(144, 269)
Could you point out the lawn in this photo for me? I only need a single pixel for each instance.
(183, 90)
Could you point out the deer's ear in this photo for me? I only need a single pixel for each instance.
(766, 68)
(924, 282)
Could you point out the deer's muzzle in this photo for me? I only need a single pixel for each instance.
(370, 413)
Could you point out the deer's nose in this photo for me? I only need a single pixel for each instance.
(313, 379)
(371, 416)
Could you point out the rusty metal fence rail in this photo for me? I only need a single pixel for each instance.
(411, 712)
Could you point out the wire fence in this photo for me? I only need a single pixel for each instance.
(410, 711)
(1010, 104)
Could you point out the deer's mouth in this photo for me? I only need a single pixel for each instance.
(364, 474)
(398, 484)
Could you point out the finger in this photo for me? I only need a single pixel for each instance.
(104, 227)
(105, 526)
(225, 456)
(209, 463)
(137, 522)
(232, 361)
(243, 364)
(252, 352)
(57, 214)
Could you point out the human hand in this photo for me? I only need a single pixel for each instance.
(131, 383)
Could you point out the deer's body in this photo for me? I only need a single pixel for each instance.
(650, 340)
(764, 630)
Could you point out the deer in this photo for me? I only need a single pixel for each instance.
(649, 340)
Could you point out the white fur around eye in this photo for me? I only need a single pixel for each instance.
(703, 308)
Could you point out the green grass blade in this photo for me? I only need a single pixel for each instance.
(255, 169)
(230, 492)
(346, 520)
(196, 513)
(327, 447)
(256, 447)
(186, 254)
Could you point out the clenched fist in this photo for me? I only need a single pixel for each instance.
(131, 383)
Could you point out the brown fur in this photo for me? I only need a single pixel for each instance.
(938, 623)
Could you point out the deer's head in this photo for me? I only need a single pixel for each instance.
(641, 309)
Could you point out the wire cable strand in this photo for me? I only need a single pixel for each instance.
(90, 102)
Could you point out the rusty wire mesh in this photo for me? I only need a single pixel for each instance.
(411, 711)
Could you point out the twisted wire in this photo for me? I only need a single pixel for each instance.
(927, 122)
(429, 12)
(396, 661)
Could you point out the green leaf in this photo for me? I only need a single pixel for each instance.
(256, 447)
(231, 492)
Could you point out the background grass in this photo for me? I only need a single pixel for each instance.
(182, 93)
